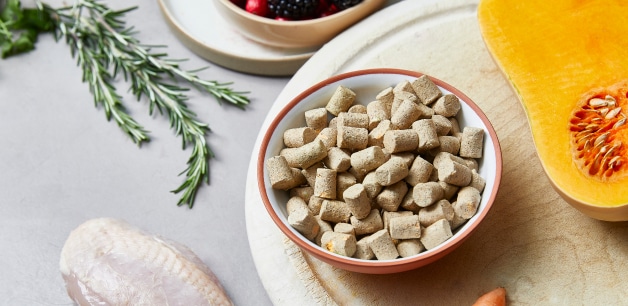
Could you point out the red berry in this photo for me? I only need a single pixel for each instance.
(239, 3)
(330, 10)
(257, 7)
(323, 6)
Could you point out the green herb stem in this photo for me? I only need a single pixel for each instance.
(105, 47)
(96, 75)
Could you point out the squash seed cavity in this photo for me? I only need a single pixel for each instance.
(598, 133)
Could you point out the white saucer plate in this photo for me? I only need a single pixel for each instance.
(200, 28)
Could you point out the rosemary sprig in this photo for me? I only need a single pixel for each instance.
(105, 47)
(99, 79)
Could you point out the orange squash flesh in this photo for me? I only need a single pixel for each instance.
(555, 53)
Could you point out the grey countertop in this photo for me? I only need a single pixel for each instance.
(62, 163)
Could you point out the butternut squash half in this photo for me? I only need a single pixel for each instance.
(567, 61)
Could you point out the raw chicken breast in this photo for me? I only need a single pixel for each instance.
(108, 262)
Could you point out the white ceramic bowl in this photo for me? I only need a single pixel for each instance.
(366, 84)
(294, 34)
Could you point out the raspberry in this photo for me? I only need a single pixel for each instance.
(257, 7)
(293, 9)
(344, 4)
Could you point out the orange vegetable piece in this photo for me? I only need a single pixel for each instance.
(567, 61)
(496, 297)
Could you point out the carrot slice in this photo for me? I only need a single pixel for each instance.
(496, 297)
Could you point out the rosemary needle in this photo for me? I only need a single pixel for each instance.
(105, 48)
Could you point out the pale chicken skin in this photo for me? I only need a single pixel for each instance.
(109, 262)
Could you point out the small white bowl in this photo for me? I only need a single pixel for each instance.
(294, 34)
(366, 84)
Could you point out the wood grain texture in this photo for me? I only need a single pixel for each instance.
(532, 243)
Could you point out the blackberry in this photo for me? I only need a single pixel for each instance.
(344, 4)
(294, 9)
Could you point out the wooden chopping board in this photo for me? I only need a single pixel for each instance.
(533, 243)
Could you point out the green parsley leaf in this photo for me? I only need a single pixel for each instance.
(26, 24)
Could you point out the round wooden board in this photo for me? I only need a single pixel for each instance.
(532, 242)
